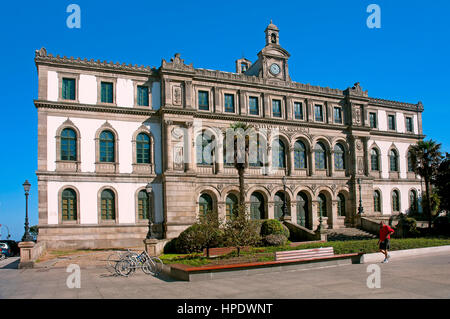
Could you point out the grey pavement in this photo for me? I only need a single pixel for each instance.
(425, 276)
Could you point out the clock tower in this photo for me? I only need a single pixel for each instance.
(272, 59)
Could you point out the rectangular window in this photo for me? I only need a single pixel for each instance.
(409, 125)
(229, 103)
(68, 89)
(318, 113)
(276, 108)
(298, 111)
(391, 120)
(142, 95)
(106, 92)
(338, 115)
(373, 120)
(253, 105)
(244, 67)
(203, 100)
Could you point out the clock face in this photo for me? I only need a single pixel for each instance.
(274, 69)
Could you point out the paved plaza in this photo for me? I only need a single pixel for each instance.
(425, 276)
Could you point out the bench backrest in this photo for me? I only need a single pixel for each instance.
(304, 253)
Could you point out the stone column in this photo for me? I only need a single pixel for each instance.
(332, 219)
(168, 138)
(331, 168)
(291, 161)
(289, 108)
(314, 214)
(271, 211)
(266, 105)
(242, 103)
(218, 107)
(188, 149)
(219, 157)
(188, 94)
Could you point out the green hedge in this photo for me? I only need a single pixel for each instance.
(273, 227)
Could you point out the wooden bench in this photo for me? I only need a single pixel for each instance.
(304, 254)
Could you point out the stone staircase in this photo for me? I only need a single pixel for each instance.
(348, 233)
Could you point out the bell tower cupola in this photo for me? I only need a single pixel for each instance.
(272, 34)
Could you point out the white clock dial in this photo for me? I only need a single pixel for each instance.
(274, 69)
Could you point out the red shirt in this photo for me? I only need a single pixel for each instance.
(384, 232)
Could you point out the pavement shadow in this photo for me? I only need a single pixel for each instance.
(12, 265)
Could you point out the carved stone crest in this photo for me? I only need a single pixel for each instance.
(176, 95)
(178, 163)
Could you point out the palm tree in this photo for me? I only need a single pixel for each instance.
(426, 157)
(241, 164)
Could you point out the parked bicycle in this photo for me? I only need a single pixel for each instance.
(126, 263)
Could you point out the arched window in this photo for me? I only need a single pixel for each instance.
(339, 161)
(393, 160)
(341, 205)
(108, 205)
(395, 201)
(374, 160)
(69, 204)
(376, 201)
(278, 206)
(410, 162)
(205, 204)
(278, 154)
(231, 206)
(258, 158)
(299, 155)
(319, 156)
(322, 205)
(413, 204)
(107, 147)
(257, 206)
(204, 148)
(143, 149)
(143, 205)
(68, 145)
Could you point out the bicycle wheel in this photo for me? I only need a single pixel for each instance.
(158, 265)
(124, 267)
(112, 261)
(148, 267)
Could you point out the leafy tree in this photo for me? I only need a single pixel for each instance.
(210, 232)
(34, 231)
(442, 183)
(426, 157)
(241, 231)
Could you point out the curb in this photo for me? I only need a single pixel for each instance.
(379, 257)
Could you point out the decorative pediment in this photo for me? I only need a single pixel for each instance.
(177, 63)
(357, 90)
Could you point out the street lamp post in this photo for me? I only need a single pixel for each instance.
(360, 208)
(149, 190)
(26, 236)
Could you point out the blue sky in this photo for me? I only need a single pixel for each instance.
(407, 59)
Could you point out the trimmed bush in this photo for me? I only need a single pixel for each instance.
(193, 239)
(406, 227)
(275, 240)
(170, 247)
(274, 227)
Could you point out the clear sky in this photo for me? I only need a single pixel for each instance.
(407, 59)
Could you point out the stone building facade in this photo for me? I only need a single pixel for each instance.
(118, 142)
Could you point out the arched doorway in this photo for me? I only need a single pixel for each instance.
(302, 210)
(257, 206)
(278, 205)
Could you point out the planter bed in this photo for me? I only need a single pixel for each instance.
(208, 272)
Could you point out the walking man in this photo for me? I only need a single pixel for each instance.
(384, 241)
